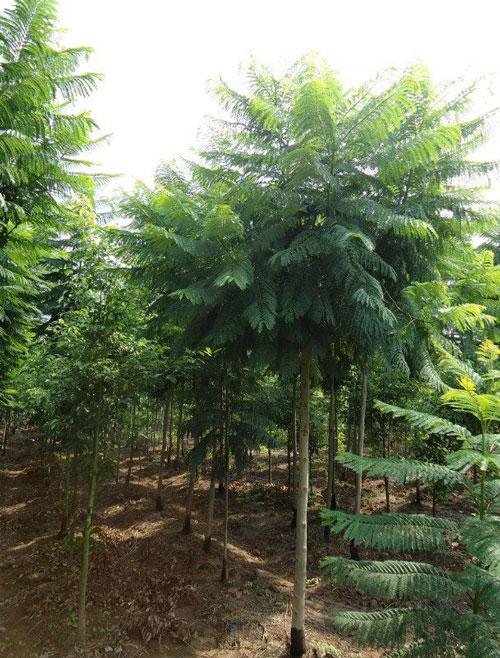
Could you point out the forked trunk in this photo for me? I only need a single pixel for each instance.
(82, 624)
(360, 450)
(159, 499)
(297, 636)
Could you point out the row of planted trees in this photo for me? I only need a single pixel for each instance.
(315, 254)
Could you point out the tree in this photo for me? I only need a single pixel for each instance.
(40, 142)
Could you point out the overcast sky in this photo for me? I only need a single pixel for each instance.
(157, 55)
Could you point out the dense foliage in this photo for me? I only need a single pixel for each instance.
(307, 283)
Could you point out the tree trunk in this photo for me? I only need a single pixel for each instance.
(211, 501)
(170, 431)
(186, 529)
(293, 523)
(159, 499)
(132, 446)
(82, 626)
(387, 453)
(361, 442)
(297, 636)
(223, 575)
(269, 466)
(179, 429)
(331, 498)
(418, 494)
(118, 457)
(5, 434)
(289, 461)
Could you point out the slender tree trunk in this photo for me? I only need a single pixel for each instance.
(179, 428)
(132, 446)
(82, 626)
(73, 503)
(293, 523)
(361, 442)
(118, 457)
(269, 466)
(153, 435)
(418, 494)
(331, 498)
(289, 461)
(189, 504)
(223, 575)
(297, 636)
(387, 453)
(5, 434)
(211, 501)
(159, 499)
(170, 431)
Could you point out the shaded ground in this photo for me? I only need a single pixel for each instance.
(152, 590)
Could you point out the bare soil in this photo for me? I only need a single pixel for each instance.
(152, 590)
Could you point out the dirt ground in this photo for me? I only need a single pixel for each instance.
(152, 590)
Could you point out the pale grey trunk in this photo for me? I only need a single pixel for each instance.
(298, 642)
(159, 499)
(211, 502)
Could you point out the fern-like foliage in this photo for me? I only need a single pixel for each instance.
(394, 579)
(427, 422)
(401, 470)
(482, 540)
(399, 532)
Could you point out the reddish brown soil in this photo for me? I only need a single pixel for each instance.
(152, 590)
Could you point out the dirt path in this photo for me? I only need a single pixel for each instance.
(153, 591)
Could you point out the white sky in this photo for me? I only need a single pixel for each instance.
(157, 56)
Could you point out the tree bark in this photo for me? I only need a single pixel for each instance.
(159, 499)
(297, 636)
(360, 450)
(82, 624)
(211, 501)
(5, 434)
